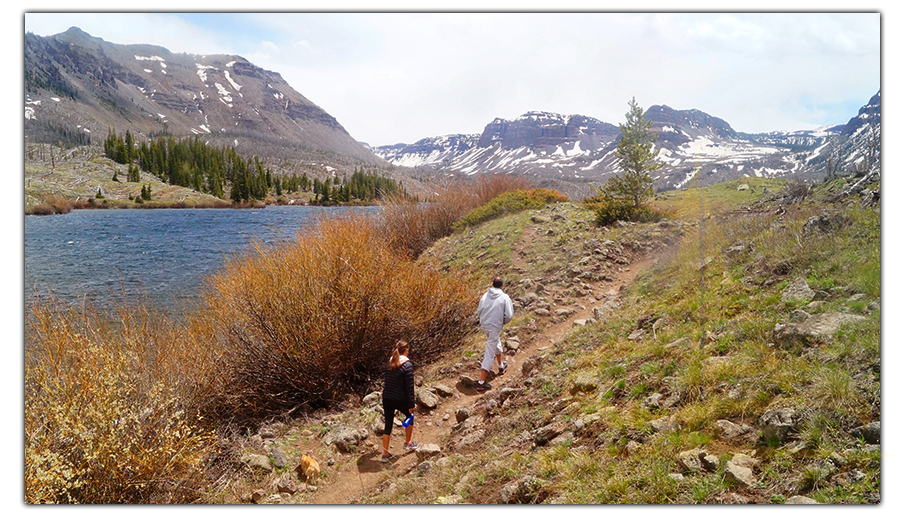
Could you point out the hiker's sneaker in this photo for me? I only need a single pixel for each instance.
(482, 387)
(503, 367)
(410, 446)
(385, 459)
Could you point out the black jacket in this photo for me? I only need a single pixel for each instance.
(399, 385)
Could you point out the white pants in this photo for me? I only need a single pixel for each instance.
(492, 348)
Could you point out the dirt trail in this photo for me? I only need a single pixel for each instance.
(347, 485)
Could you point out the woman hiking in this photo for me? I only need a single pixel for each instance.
(399, 394)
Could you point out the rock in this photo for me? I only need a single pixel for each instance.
(427, 450)
(424, 467)
(532, 363)
(512, 344)
(777, 425)
(653, 400)
(664, 424)
(800, 500)
(584, 383)
(798, 291)
(528, 299)
(690, 460)
(286, 484)
(871, 433)
(798, 316)
(443, 390)
(636, 335)
(346, 439)
(540, 219)
(823, 223)
(257, 495)
(372, 399)
(683, 342)
(735, 433)
(462, 414)
(740, 470)
(543, 435)
(279, 458)
(455, 499)
(507, 392)
(427, 398)
(471, 440)
(815, 329)
(259, 461)
(524, 490)
(675, 476)
(743, 187)
(267, 433)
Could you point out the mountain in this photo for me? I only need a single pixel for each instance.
(78, 86)
(698, 149)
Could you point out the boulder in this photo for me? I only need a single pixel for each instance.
(427, 450)
(800, 500)
(427, 398)
(870, 433)
(740, 470)
(815, 329)
(524, 490)
(798, 291)
(257, 461)
(734, 433)
(543, 435)
(777, 425)
(664, 424)
(345, 438)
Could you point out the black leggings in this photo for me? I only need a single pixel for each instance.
(390, 406)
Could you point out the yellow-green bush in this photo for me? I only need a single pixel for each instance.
(510, 202)
(310, 320)
(104, 419)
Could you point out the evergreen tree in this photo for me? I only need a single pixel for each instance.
(637, 159)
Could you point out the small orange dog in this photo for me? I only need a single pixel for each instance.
(309, 467)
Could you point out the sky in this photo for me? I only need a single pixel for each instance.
(396, 77)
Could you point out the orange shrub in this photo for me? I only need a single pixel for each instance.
(308, 321)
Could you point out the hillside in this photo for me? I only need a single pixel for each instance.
(727, 354)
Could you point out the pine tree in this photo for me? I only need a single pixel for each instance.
(637, 159)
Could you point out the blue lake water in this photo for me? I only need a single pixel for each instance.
(161, 255)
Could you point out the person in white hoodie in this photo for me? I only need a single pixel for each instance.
(494, 310)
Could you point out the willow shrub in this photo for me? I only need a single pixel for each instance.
(311, 320)
(105, 413)
(412, 227)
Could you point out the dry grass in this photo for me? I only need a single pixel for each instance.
(106, 419)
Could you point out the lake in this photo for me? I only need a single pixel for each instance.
(162, 255)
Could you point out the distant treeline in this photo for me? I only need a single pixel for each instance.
(194, 164)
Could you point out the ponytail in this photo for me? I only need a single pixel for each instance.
(395, 355)
(395, 360)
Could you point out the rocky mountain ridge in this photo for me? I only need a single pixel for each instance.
(77, 87)
(698, 148)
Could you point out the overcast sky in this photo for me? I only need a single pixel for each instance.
(394, 77)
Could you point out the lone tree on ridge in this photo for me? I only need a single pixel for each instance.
(637, 159)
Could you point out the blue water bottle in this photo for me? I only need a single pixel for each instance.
(408, 421)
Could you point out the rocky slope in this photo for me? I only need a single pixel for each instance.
(615, 394)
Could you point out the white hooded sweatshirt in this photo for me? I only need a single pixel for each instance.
(495, 309)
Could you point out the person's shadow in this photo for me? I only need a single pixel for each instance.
(371, 462)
